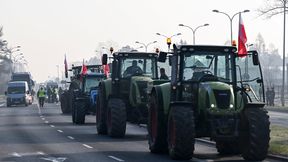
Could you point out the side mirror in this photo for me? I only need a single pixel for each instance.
(255, 58)
(162, 57)
(5, 92)
(114, 74)
(104, 59)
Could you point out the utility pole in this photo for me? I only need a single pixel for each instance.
(283, 72)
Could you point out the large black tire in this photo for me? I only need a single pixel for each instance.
(80, 112)
(157, 129)
(255, 134)
(116, 118)
(73, 106)
(227, 147)
(101, 109)
(64, 102)
(181, 132)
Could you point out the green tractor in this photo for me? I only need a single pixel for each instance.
(213, 93)
(124, 97)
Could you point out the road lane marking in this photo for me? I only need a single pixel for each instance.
(43, 118)
(90, 147)
(60, 131)
(53, 159)
(16, 154)
(115, 158)
(39, 109)
(2, 105)
(70, 137)
(52, 126)
(46, 121)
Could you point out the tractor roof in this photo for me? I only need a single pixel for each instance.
(135, 54)
(208, 48)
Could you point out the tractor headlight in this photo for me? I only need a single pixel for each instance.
(231, 106)
(212, 106)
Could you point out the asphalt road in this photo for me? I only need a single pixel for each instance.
(33, 134)
(278, 118)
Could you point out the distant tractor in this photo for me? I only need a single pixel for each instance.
(213, 93)
(80, 99)
(123, 97)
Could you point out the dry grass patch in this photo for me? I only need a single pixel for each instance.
(279, 140)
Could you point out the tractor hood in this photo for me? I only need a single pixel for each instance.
(139, 89)
(217, 97)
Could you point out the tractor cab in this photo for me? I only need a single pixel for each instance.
(132, 73)
(213, 93)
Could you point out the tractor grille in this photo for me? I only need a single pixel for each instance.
(222, 98)
(142, 85)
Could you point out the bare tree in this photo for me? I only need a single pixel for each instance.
(272, 8)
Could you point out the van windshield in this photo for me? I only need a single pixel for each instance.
(16, 90)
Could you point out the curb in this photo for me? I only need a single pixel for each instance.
(277, 157)
(276, 109)
(271, 156)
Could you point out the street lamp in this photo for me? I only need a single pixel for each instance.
(146, 45)
(231, 19)
(168, 39)
(193, 30)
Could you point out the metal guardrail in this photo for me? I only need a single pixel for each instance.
(271, 156)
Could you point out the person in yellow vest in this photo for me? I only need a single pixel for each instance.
(41, 96)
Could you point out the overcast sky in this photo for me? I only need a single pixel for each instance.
(47, 29)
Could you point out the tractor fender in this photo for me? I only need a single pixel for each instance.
(163, 91)
(108, 87)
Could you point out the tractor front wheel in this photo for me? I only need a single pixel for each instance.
(181, 132)
(255, 140)
(101, 111)
(116, 118)
(80, 112)
(64, 103)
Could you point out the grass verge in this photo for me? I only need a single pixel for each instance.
(279, 140)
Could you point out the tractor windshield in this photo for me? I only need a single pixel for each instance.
(214, 63)
(138, 66)
(92, 82)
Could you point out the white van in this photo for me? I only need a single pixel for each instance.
(17, 93)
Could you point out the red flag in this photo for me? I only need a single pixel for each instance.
(106, 70)
(66, 67)
(84, 69)
(242, 39)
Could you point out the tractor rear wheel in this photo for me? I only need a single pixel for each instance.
(101, 111)
(80, 112)
(116, 118)
(181, 132)
(255, 142)
(157, 129)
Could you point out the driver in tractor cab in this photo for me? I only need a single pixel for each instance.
(131, 70)
(198, 70)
